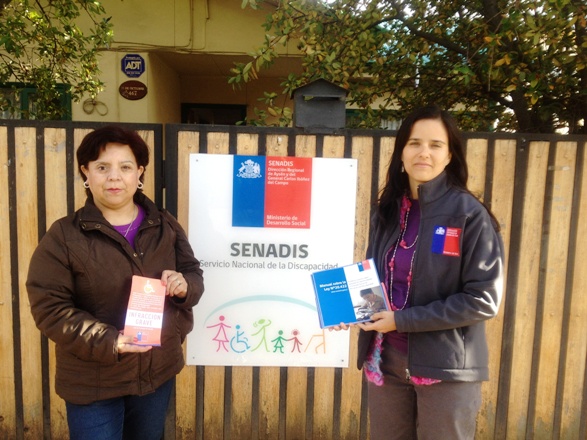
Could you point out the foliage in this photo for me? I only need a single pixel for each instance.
(498, 64)
(42, 45)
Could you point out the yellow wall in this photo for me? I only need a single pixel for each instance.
(160, 105)
(172, 36)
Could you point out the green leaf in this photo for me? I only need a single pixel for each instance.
(446, 52)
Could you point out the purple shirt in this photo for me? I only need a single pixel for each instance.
(402, 267)
(130, 230)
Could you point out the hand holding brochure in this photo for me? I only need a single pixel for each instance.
(348, 294)
(144, 316)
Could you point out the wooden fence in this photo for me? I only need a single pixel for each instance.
(536, 186)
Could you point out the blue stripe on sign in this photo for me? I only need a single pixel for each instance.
(248, 191)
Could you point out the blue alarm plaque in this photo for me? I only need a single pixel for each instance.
(133, 65)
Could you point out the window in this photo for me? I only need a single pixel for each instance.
(18, 102)
(354, 117)
(213, 114)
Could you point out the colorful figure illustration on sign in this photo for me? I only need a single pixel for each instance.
(262, 324)
(239, 343)
(278, 342)
(319, 336)
(221, 336)
(296, 342)
(239, 338)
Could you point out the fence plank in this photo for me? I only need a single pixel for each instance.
(476, 150)
(525, 301)
(333, 146)
(214, 389)
(55, 208)
(55, 175)
(149, 184)
(306, 146)
(350, 407)
(247, 144)
(363, 152)
(185, 389)
(26, 193)
(573, 387)
(502, 196)
(297, 377)
(269, 391)
(323, 416)
(502, 193)
(276, 145)
(79, 192)
(563, 170)
(7, 378)
(352, 385)
(214, 403)
(386, 151)
(295, 416)
(240, 399)
(477, 164)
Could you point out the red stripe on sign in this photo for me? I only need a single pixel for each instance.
(288, 192)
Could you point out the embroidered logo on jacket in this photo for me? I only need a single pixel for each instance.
(447, 241)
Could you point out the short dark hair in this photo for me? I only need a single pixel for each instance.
(95, 142)
(365, 292)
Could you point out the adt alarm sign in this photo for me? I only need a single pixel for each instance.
(133, 65)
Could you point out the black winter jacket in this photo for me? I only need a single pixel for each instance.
(453, 292)
(79, 284)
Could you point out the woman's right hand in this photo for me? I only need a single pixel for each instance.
(339, 327)
(382, 322)
(124, 345)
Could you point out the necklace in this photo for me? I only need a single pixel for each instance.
(134, 213)
(404, 215)
(404, 225)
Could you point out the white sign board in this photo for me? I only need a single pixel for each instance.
(260, 226)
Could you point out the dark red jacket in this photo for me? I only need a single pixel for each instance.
(79, 283)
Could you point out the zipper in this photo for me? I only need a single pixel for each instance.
(408, 375)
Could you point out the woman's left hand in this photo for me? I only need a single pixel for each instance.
(175, 283)
(382, 322)
(125, 344)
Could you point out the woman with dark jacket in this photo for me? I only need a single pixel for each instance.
(79, 284)
(440, 256)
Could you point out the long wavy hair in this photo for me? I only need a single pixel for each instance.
(397, 183)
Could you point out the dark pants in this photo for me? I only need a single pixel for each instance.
(128, 417)
(401, 410)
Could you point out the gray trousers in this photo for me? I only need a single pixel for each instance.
(400, 410)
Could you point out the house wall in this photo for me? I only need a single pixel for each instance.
(189, 47)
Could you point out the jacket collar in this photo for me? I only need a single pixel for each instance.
(434, 189)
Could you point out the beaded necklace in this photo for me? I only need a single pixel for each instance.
(404, 216)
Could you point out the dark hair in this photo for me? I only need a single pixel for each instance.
(365, 292)
(397, 182)
(95, 142)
